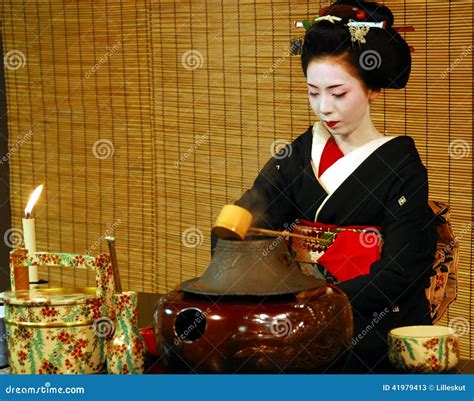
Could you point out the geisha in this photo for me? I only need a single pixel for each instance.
(344, 172)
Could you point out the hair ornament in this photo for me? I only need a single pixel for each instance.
(358, 33)
(380, 24)
(359, 30)
(331, 18)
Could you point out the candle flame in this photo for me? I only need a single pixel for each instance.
(33, 198)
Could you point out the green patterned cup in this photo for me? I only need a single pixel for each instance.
(126, 349)
(423, 349)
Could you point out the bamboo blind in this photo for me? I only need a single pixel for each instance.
(81, 109)
(193, 100)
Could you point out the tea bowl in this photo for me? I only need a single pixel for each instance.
(423, 349)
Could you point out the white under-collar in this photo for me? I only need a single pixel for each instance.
(340, 170)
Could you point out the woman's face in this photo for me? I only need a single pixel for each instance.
(335, 95)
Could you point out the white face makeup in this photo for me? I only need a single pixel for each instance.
(337, 96)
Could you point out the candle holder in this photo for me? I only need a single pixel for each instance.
(19, 275)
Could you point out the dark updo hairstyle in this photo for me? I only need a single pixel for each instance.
(384, 61)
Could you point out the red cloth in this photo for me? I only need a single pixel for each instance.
(351, 255)
(148, 337)
(331, 153)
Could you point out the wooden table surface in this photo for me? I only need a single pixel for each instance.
(146, 303)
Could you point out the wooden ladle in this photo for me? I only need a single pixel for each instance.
(234, 222)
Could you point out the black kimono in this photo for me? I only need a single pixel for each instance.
(385, 184)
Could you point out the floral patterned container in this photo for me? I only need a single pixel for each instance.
(423, 349)
(126, 349)
(60, 330)
(54, 331)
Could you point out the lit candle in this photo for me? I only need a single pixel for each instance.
(29, 231)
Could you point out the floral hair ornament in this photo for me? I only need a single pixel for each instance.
(359, 30)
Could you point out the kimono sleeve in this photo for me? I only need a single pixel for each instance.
(270, 199)
(409, 244)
